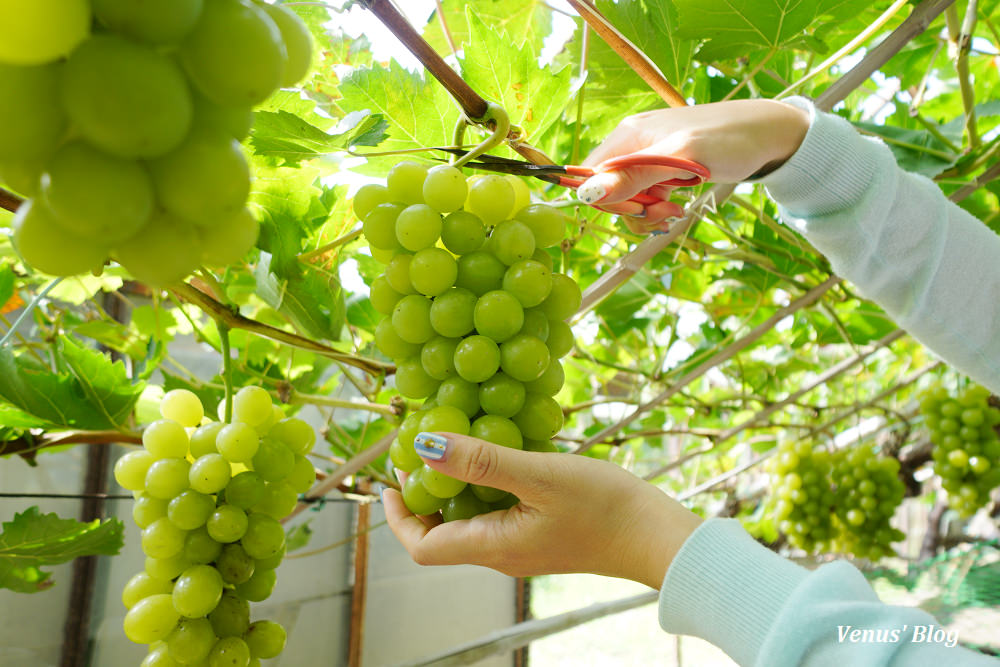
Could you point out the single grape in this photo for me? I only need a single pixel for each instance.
(480, 272)
(411, 319)
(413, 381)
(163, 252)
(564, 299)
(439, 484)
(404, 457)
(560, 340)
(162, 539)
(540, 418)
(203, 180)
(417, 498)
(529, 281)
(498, 315)
(452, 313)
(234, 55)
(522, 193)
(200, 548)
(167, 477)
(273, 460)
(459, 393)
(41, 31)
(237, 442)
(477, 358)
(189, 509)
(167, 568)
(49, 248)
(32, 120)
(379, 226)
(524, 357)
(512, 242)
(547, 224)
(259, 586)
(150, 619)
(382, 296)
(501, 395)
(231, 617)
(153, 21)
(368, 197)
(296, 39)
(444, 188)
(234, 564)
(266, 639)
(535, 324)
(209, 473)
(433, 271)
(229, 652)
(191, 640)
(550, 382)
(437, 357)
(131, 469)
(464, 506)
(498, 430)
(462, 232)
(297, 435)
(94, 194)
(203, 439)
(148, 509)
(141, 586)
(417, 227)
(165, 439)
(390, 344)
(445, 418)
(491, 198)
(397, 273)
(125, 98)
(227, 524)
(183, 407)
(252, 406)
(278, 500)
(264, 536)
(405, 182)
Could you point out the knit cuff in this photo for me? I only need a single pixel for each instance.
(832, 169)
(726, 588)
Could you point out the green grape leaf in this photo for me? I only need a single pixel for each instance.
(6, 284)
(418, 112)
(34, 540)
(524, 21)
(298, 536)
(734, 28)
(101, 400)
(917, 151)
(312, 300)
(287, 136)
(652, 27)
(361, 313)
(533, 97)
(105, 383)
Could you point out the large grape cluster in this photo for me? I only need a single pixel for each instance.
(836, 502)
(475, 318)
(868, 491)
(208, 498)
(122, 121)
(967, 449)
(802, 498)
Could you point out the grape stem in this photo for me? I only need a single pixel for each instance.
(227, 369)
(298, 398)
(10, 201)
(495, 117)
(234, 320)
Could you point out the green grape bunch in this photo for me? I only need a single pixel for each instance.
(121, 124)
(473, 316)
(868, 491)
(803, 500)
(209, 497)
(966, 446)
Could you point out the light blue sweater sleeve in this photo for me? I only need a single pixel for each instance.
(935, 269)
(765, 611)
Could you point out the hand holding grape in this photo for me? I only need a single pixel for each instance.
(575, 514)
(735, 140)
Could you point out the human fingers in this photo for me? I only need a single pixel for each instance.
(407, 527)
(476, 461)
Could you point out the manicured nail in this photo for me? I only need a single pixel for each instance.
(431, 446)
(640, 214)
(591, 193)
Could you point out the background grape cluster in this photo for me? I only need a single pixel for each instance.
(967, 449)
(836, 502)
(475, 318)
(121, 122)
(208, 498)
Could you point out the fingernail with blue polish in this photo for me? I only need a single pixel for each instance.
(431, 446)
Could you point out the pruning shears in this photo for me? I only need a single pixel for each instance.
(573, 176)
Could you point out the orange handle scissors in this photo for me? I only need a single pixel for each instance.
(573, 176)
